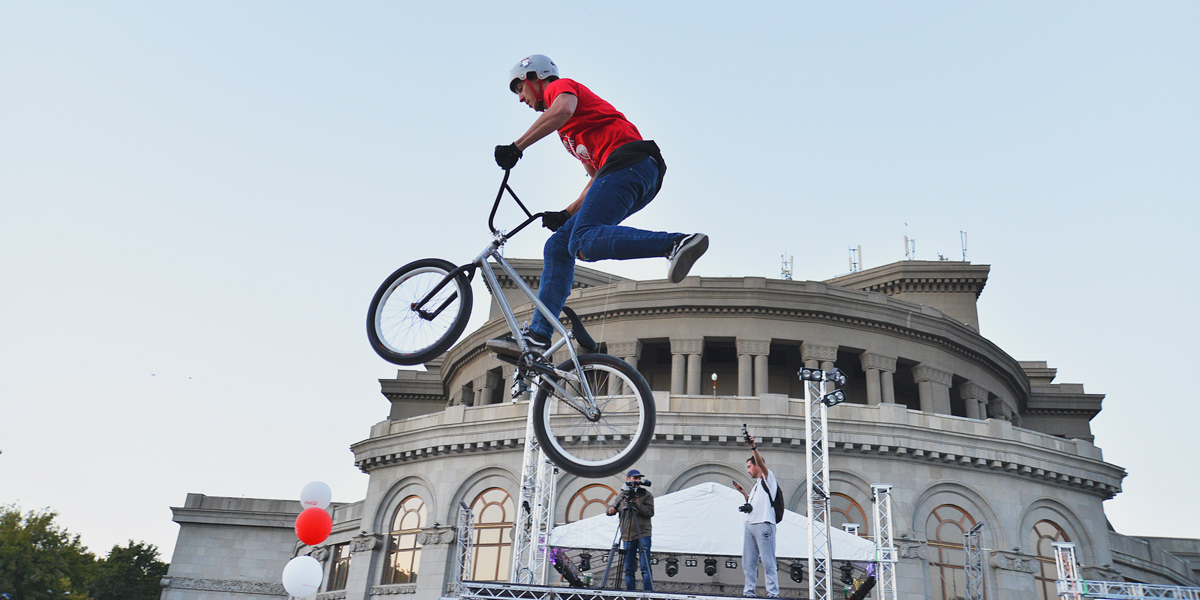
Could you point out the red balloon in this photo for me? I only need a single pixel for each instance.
(313, 526)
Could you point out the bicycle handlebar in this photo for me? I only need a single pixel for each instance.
(499, 196)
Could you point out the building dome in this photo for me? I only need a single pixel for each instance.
(962, 431)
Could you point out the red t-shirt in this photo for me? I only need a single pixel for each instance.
(596, 128)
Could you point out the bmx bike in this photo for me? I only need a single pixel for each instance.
(593, 414)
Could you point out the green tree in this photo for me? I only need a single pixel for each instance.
(132, 572)
(40, 560)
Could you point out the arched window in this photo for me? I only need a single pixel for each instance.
(946, 530)
(843, 509)
(590, 501)
(494, 514)
(403, 551)
(1041, 540)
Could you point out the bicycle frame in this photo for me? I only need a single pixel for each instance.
(492, 251)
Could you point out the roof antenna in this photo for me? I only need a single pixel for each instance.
(910, 245)
(962, 236)
(785, 269)
(856, 259)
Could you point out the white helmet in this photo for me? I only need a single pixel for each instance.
(536, 65)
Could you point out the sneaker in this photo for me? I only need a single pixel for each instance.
(687, 250)
(507, 345)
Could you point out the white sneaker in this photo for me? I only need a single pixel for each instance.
(688, 249)
(507, 345)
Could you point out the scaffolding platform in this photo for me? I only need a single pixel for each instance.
(499, 590)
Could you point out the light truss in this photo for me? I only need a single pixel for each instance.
(1072, 587)
(973, 562)
(885, 549)
(535, 512)
(465, 552)
(820, 580)
(490, 590)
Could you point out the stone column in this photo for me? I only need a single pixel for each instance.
(934, 388)
(686, 379)
(996, 409)
(693, 375)
(975, 398)
(745, 373)
(817, 356)
(437, 544)
(760, 374)
(750, 381)
(628, 352)
(887, 385)
(485, 387)
(874, 365)
(365, 551)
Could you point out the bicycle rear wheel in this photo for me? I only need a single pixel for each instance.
(404, 334)
(611, 442)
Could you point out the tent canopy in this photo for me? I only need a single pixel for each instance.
(704, 519)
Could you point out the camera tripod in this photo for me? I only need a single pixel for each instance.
(627, 514)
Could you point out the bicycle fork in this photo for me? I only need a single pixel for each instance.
(528, 368)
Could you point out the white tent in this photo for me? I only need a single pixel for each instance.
(704, 520)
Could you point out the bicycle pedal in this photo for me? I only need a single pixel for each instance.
(520, 388)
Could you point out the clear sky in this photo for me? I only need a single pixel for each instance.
(199, 198)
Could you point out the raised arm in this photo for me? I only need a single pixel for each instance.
(758, 459)
(556, 116)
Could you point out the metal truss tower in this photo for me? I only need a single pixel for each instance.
(816, 449)
(973, 562)
(885, 549)
(1071, 586)
(465, 553)
(535, 512)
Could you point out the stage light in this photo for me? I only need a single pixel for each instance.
(585, 562)
(834, 398)
(672, 566)
(796, 570)
(837, 376)
(847, 573)
(807, 374)
(710, 566)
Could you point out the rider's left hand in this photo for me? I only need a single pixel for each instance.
(507, 156)
(554, 220)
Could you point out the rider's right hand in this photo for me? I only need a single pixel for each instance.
(507, 156)
(554, 220)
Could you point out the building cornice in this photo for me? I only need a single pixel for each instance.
(800, 301)
(918, 276)
(899, 434)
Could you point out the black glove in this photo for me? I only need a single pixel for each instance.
(507, 156)
(554, 220)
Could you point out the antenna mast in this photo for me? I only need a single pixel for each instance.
(962, 236)
(856, 259)
(785, 270)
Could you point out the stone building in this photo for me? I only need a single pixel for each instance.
(964, 433)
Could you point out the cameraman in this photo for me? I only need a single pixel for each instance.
(635, 504)
(758, 542)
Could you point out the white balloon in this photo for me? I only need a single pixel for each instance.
(302, 576)
(316, 494)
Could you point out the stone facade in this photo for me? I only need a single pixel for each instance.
(962, 431)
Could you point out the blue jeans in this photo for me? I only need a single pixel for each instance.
(593, 234)
(759, 542)
(637, 552)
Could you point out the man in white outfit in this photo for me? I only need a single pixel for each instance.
(758, 542)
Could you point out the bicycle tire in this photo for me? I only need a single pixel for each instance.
(398, 333)
(617, 439)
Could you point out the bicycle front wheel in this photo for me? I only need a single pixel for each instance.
(405, 333)
(606, 443)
